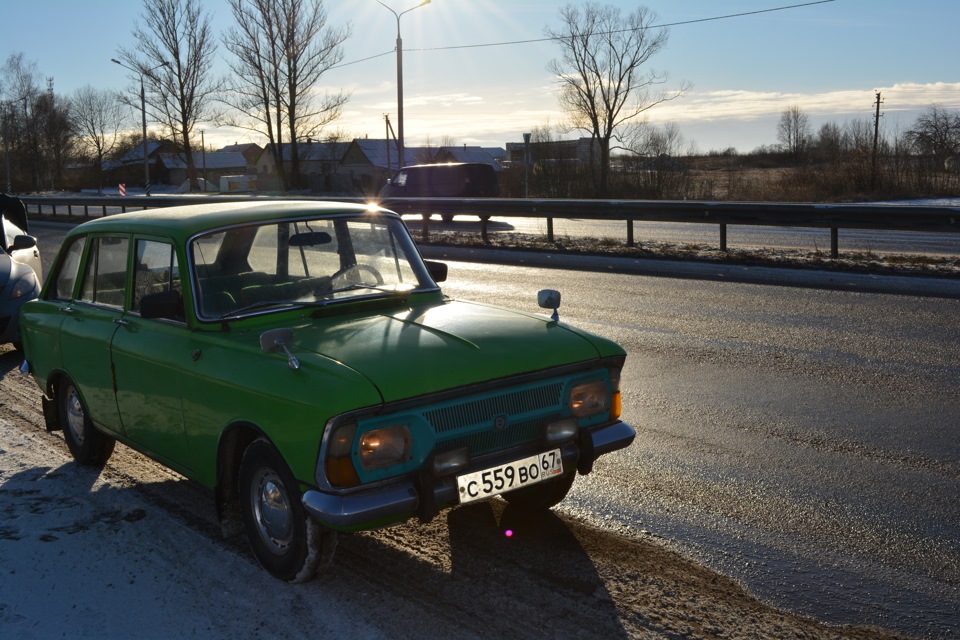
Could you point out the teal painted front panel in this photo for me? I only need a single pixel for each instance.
(470, 421)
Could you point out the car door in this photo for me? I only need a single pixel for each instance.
(149, 356)
(90, 321)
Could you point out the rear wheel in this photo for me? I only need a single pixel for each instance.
(542, 496)
(287, 543)
(87, 445)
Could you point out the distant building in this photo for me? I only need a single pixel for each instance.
(554, 152)
(319, 164)
(128, 169)
(467, 154)
(209, 166)
(368, 163)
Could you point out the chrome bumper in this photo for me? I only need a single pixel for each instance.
(425, 495)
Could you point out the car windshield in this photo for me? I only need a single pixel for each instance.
(276, 265)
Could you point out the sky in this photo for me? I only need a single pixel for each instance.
(829, 58)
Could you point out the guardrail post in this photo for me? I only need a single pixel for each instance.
(630, 241)
(834, 243)
(549, 229)
(483, 229)
(723, 237)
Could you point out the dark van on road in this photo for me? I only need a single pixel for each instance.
(449, 180)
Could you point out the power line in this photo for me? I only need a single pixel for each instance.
(657, 26)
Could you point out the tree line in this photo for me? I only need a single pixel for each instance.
(278, 50)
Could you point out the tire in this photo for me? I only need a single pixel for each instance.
(446, 217)
(87, 445)
(286, 542)
(542, 496)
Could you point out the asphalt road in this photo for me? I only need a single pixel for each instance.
(801, 441)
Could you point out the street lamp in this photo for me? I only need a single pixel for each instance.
(400, 78)
(143, 109)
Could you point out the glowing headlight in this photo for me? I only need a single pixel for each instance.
(589, 399)
(385, 447)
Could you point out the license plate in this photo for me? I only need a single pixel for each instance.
(512, 475)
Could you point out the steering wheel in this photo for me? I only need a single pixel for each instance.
(351, 275)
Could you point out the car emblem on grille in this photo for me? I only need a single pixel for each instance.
(500, 423)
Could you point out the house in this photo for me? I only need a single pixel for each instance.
(251, 152)
(466, 154)
(319, 162)
(368, 163)
(210, 167)
(128, 169)
(564, 152)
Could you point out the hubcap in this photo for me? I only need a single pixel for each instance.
(272, 511)
(75, 416)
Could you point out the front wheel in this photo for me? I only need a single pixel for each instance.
(87, 445)
(287, 543)
(542, 496)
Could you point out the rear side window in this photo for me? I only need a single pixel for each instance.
(156, 270)
(105, 278)
(67, 275)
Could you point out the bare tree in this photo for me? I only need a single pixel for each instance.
(602, 82)
(281, 49)
(174, 55)
(793, 131)
(98, 118)
(936, 132)
(55, 128)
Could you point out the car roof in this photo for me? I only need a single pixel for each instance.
(186, 221)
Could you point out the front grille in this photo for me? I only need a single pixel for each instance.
(496, 420)
(484, 410)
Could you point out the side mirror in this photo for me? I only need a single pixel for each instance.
(164, 305)
(550, 299)
(437, 270)
(277, 340)
(23, 242)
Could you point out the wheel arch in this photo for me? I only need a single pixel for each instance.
(234, 440)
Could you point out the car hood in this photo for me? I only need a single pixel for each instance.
(424, 349)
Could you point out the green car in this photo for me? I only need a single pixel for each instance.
(300, 359)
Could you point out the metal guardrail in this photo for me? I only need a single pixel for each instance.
(722, 214)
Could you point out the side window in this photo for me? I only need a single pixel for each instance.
(105, 278)
(66, 279)
(156, 270)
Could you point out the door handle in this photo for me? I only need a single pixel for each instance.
(121, 321)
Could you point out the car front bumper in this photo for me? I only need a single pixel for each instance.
(425, 495)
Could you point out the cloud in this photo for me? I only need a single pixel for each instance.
(750, 105)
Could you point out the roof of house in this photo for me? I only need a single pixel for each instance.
(376, 152)
(312, 151)
(211, 160)
(468, 154)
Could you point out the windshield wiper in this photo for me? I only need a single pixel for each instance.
(263, 304)
(355, 287)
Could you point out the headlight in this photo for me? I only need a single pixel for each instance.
(385, 447)
(589, 399)
(24, 286)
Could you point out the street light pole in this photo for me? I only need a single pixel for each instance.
(143, 110)
(400, 78)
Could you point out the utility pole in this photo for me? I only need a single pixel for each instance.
(876, 138)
